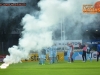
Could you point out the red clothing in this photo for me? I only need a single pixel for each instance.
(72, 47)
(85, 48)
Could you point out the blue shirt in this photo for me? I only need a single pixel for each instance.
(54, 51)
(50, 52)
(88, 50)
(98, 47)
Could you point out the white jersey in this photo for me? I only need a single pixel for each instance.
(69, 49)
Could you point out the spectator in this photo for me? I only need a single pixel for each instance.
(80, 46)
(72, 52)
(41, 57)
(54, 47)
(69, 48)
(98, 51)
(84, 52)
(89, 53)
(51, 55)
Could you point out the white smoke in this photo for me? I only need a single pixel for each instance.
(74, 18)
(37, 32)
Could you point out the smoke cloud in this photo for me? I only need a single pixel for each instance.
(74, 19)
(37, 31)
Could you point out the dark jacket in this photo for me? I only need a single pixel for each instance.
(98, 48)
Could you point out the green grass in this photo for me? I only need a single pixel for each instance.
(60, 68)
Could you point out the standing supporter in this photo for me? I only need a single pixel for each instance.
(84, 52)
(51, 55)
(98, 51)
(72, 52)
(41, 57)
(69, 48)
(54, 47)
(89, 53)
(80, 46)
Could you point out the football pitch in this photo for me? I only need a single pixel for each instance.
(59, 68)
